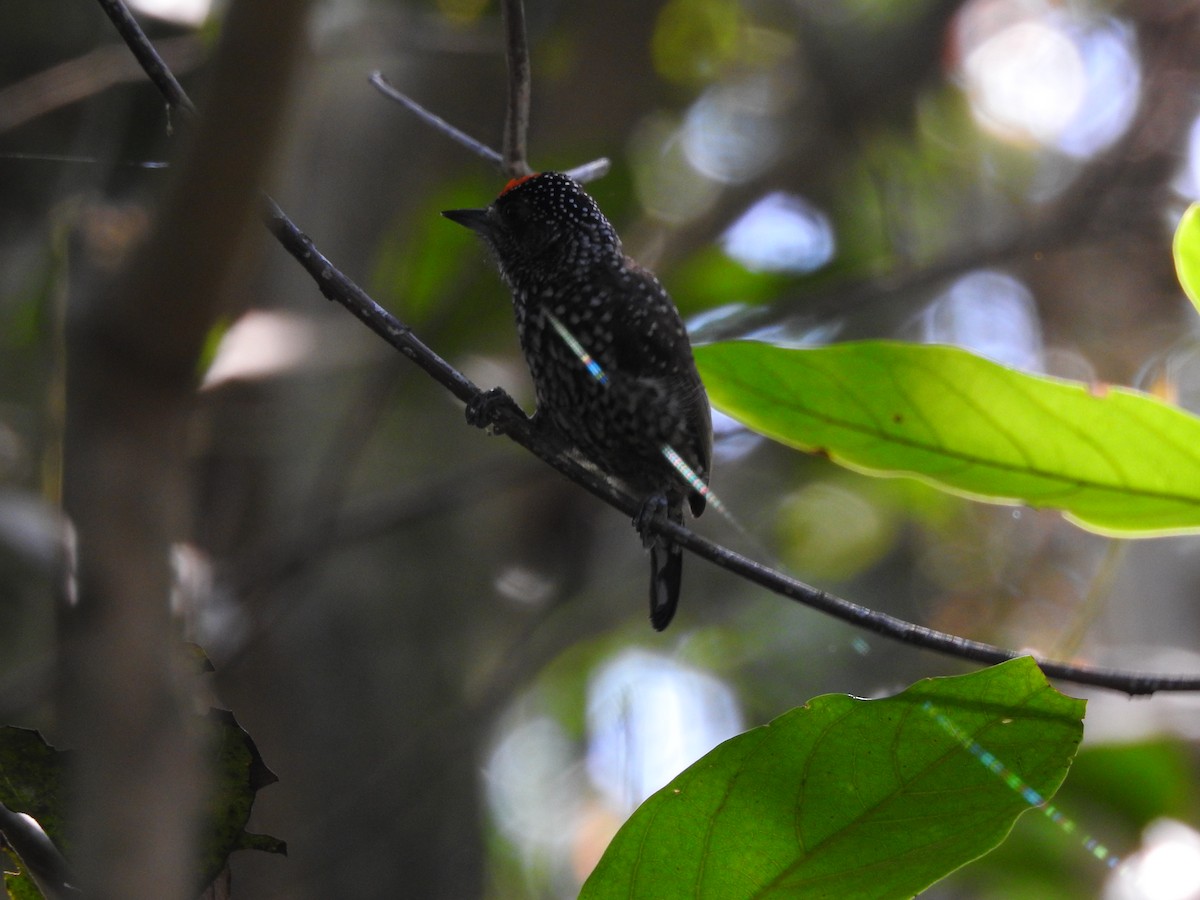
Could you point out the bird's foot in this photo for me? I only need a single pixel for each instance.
(494, 410)
(653, 509)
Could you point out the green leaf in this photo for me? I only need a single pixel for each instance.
(238, 773)
(1186, 249)
(212, 343)
(852, 798)
(1112, 459)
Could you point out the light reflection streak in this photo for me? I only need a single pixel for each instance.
(1019, 786)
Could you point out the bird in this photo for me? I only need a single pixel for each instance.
(612, 366)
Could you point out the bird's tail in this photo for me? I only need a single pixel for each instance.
(666, 573)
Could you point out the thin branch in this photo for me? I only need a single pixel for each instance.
(460, 137)
(144, 52)
(589, 171)
(334, 285)
(516, 119)
(513, 161)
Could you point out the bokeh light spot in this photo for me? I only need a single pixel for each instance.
(182, 12)
(1026, 81)
(781, 233)
(649, 718)
(1045, 74)
(988, 313)
(731, 134)
(1167, 867)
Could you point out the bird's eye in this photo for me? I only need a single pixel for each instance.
(528, 229)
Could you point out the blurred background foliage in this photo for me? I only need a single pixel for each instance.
(439, 646)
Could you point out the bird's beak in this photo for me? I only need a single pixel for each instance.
(478, 220)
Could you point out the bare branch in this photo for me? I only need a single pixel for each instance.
(334, 285)
(133, 36)
(460, 137)
(516, 118)
(513, 162)
(590, 171)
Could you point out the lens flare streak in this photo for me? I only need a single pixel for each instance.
(589, 363)
(597, 372)
(1027, 793)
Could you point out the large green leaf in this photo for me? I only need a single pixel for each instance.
(1186, 250)
(1112, 459)
(852, 798)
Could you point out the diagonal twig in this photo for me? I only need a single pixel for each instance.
(589, 171)
(513, 162)
(336, 286)
(437, 122)
(133, 36)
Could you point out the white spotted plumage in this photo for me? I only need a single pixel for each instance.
(559, 254)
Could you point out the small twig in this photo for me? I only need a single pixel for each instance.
(334, 285)
(460, 137)
(144, 52)
(590, 171)
(516, 118)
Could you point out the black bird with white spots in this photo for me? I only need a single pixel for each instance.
(563, 261)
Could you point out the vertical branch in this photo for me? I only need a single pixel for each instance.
(516, 119)
(124, 697)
